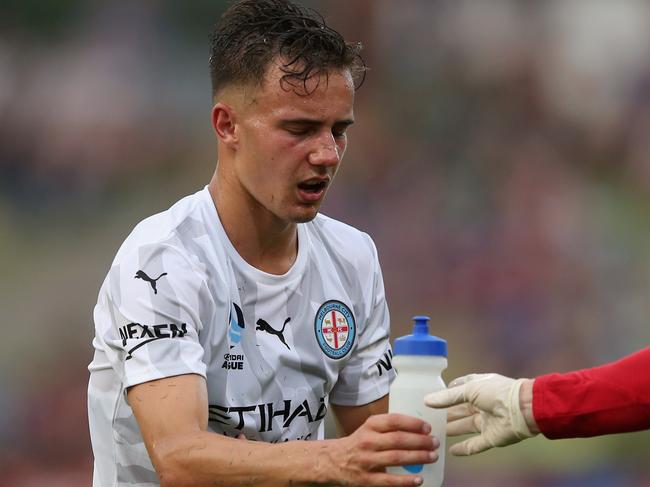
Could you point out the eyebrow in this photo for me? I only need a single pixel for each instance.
(311, 122)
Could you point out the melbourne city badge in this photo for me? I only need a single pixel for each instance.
(335, 329)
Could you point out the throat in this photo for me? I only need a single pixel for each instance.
(271, 252)
(260, 238)
(274, 257)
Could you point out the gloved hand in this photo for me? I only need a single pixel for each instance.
(482, 403)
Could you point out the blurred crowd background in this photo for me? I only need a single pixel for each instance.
(500, 160)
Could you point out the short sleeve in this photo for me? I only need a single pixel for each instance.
(148, 316)
(369, 372)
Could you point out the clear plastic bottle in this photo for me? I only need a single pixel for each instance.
(419, 360)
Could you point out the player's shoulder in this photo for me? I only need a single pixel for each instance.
(169, 231)
(342, 239)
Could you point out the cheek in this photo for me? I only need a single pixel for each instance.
(283, 146)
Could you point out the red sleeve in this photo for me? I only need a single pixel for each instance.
(612, 398)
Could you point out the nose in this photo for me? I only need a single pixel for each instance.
(325, 152)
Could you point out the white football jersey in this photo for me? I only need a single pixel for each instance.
(275, 349)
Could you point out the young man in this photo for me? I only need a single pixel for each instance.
(228, 323)
(611, 398)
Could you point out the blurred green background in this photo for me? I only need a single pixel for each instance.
(500, 160)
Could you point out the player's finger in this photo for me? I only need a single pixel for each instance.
(401, 440)
(384, 423)
(460, 411)
(382, 479)
(473, 445)
(396, 458)
(445, 397)
(464, 426)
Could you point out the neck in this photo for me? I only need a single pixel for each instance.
(260, 238)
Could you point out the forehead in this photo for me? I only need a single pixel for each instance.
(331, 93)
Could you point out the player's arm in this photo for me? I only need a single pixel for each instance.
(350, 418)
(172, 415)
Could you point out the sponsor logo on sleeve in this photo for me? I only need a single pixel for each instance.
(385, 363)
(150, 333)
(335, 329)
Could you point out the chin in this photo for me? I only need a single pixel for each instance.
(305, 218)
(305, 215)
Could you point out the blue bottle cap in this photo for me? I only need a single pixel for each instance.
(420, 342)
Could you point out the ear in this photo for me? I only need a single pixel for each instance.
(224, 122)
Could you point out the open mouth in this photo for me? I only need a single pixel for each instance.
(313, 187)
(312, 190)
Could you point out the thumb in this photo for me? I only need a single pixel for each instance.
(446, 397)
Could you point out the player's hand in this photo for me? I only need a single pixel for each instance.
(487, 404)
(384, 440)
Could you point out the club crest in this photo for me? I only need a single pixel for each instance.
(335, 329)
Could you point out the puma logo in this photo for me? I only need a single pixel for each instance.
(143, 275)
(264, 326)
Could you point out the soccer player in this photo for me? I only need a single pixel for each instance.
(240, 312)
(612, 398)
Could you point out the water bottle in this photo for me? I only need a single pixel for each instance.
(419, 360)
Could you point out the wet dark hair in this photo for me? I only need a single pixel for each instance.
(253, 33)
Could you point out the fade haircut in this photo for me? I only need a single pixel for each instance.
(253, 33)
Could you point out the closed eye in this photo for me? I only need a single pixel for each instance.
(339, 133)
(339, 130)
(305, 128)
(300, 131)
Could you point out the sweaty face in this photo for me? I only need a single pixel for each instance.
(291, 144)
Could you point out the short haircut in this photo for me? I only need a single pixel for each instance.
(253, 33)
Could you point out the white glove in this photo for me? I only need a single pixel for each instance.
(482, 403)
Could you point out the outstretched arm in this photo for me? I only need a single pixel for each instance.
(494, 406)
(173, 414)
(611, 398)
